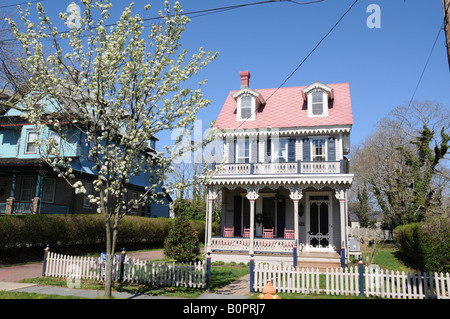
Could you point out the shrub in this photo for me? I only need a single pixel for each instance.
(426, 245)
(29, 234)
(182, 244)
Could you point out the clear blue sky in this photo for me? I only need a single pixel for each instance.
(382, 65)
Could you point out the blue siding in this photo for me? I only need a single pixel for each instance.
(9, 139)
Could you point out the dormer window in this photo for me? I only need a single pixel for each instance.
(317, 103)
(246, 108)
(317, 96)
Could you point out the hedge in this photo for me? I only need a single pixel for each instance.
(426, 245)
(29, 234)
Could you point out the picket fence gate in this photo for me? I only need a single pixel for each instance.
(133, 270)
(347, 281)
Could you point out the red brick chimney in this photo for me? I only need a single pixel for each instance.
(245, 79)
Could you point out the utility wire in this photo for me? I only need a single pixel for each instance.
(306, 58)
(314, 49)
(197, 13)
(19, 4)
(425, 66)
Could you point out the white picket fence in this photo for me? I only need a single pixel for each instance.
(165, 273)
(134, 270)
(346, 281)
(390, 284)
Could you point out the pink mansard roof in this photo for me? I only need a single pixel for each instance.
(287, 108)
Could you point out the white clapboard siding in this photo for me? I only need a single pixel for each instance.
(345, 281)
(135, 270)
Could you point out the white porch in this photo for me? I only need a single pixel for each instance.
(315, 214)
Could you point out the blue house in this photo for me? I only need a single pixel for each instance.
(29, 185)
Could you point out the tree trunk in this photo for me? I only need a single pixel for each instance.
(111, 238)
(109, 256)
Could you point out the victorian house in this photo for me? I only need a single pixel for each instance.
(29, 186)
(284, 179)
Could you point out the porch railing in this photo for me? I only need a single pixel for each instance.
(22, 207)
(2, 208)
(299, 167)
(279, 245)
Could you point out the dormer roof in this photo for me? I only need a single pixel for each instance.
(320, 86)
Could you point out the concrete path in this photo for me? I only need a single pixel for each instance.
(239, 289)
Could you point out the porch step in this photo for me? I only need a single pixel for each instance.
(316, 257)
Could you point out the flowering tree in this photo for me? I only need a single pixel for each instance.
(119, 87)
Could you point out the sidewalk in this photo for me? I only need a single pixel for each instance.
(239, 289)
(10, 277)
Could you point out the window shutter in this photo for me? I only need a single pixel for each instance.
(291, 150)
(231, 150)
(331, 149)
(253, 150)
(268, 151)
(306, 150)
(237, 215)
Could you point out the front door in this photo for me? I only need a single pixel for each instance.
(319, 228)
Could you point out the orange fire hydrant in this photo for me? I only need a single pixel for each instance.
(269, 292)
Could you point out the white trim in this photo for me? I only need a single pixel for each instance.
(325, 147)
(324, 104)
(236, 151)
(289, 179)
(287, 131)
(252, 108)
(275, 159)
(27, 142)
(318, 85)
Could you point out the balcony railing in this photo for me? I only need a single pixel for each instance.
(299, 167)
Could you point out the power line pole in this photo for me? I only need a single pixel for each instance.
(446, 6)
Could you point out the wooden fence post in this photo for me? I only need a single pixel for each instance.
(361, 277)
(46, 250)
(252, 272)
(208, 271)
(122, 261)
(295, 253)
(343, 255)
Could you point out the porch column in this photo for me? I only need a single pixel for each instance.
(212, 195)
(340, 195)
(10, 201)
(37, 198)
(252, 195)
(296, 194)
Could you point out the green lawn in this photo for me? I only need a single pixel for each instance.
(386, 256)
(27, 295)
